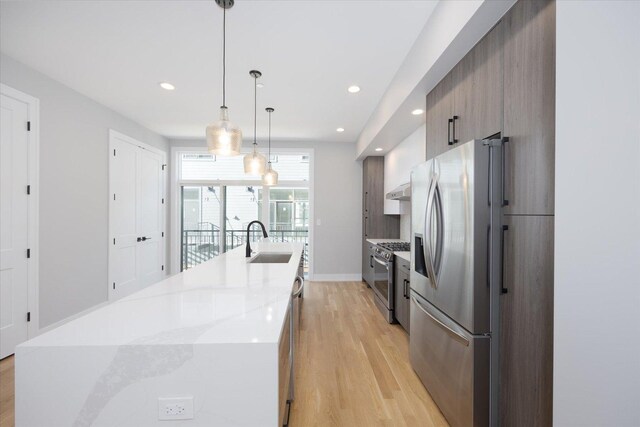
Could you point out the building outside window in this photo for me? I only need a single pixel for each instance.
(217, 201)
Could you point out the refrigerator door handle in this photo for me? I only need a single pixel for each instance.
(440, 231)
(428, 257)
(455, 335)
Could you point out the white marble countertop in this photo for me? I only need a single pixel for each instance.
(224, 300)
(405, 255)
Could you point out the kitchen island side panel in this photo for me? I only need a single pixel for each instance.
(120, 385)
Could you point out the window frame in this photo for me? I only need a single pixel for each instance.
(176, 184)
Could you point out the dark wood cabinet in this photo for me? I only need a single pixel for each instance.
(506, 84)
(529, 107)
(478, 93)
(468, 103)
(375, 224)
(526, 322)
(402, 292)
(439, 111)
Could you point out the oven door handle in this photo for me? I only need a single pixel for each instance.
(383, 263)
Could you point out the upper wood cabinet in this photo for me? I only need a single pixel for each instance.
(529, 107)
(439, 111)
(467, 103)
(375, 224)
(478, 80)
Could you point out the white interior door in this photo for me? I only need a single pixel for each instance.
(14, 213)
(136, 179)
(123, 258)
(150, 251)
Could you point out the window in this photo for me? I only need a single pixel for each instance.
(218, 201)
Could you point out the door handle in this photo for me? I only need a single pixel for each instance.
(139, 239)
(449, 122)
(505, 201)
(384, 264)
(503, 289)
(300, 280)
(427, 235)
(453, 129)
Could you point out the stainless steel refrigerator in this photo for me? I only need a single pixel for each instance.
(456, 210)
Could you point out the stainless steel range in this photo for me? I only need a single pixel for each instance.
(383, 285)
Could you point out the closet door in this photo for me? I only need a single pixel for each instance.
(136, 216)
(150, 253)
(123, 214)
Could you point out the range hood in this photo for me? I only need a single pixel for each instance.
(401, 192)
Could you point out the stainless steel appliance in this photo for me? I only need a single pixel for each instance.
(401, 192)
(455, 274)
(383, 286)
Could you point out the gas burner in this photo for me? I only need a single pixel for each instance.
(395, 246)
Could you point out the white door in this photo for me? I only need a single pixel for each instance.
(136, 182)
(150, 210)
(123, 218)
(14, 213)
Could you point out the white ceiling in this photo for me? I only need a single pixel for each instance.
(309, 52)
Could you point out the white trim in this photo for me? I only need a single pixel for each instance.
(175, 183)
(336, 278)
(33, 272)
(113, 134)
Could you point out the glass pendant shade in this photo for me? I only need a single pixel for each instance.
(270, 177)
(223, 137)
(255, 163)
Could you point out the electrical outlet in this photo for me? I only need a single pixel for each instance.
(175, 408)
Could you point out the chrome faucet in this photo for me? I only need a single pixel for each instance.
(264, 234)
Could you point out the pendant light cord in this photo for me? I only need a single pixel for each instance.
(255, 110)
(224, 56)
(269, 137)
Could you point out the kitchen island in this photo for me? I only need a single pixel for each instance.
(216, 337)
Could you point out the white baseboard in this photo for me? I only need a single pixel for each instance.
(336, 278)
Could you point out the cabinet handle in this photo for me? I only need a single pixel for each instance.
(371, 261)
(366, 219)
(453, 127)
(505, 202)
(503, 289)
(449, 132)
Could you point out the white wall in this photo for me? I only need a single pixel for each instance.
(397, 170)
(337, 228)
(597, 223)
(398, 164)
(74, 145)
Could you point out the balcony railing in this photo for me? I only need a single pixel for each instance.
(202, 245)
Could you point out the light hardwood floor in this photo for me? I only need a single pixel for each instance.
(352, 368)
(6, 392)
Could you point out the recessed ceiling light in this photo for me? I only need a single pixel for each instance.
(167, 86)
(353, 89)
(260, 85)
(417, 111)
(378, 149)
(340, 130)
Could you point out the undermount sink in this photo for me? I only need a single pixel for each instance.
(271, 258)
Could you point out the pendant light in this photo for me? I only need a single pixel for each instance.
(254, 162)
(223, 137)
(270, 177)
